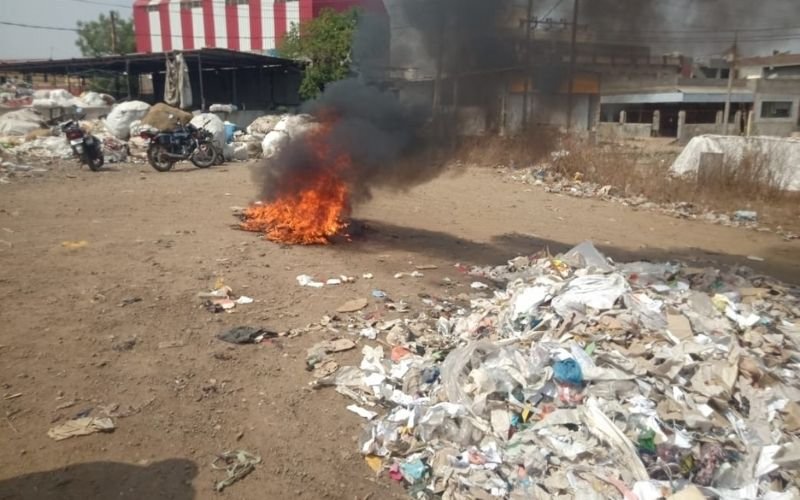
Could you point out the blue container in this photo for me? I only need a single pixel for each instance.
(230, 128)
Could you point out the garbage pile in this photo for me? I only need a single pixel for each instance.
(29, 133)
(554, 181)
(583, 378)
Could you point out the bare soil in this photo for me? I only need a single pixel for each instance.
(71, 329)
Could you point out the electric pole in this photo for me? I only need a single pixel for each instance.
(731, 72)
(527, 72)
(113, 32)
(572, 55)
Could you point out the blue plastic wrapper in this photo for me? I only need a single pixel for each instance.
(413, 471)
(568, 371)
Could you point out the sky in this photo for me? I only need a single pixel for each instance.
(27, 43)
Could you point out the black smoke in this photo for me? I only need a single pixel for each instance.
(382, 138)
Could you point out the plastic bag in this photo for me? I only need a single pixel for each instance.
(597, 291)
(118, 121)
(586, 255)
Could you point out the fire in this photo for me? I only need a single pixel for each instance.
(315, 204)
(309, 217)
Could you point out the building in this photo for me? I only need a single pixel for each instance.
(245, 25)
(764, 97)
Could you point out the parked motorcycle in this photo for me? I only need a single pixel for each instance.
(185, 143)
(86, 147)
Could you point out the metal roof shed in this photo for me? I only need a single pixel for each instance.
(228, 76)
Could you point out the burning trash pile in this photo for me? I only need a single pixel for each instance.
(312, 205)
(587, 379)
(315, 166)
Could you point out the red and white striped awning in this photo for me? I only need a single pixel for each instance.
(247, 25)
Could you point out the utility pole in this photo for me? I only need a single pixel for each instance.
(113, 32)
(731, 71)
(527, 72)
(572, 55)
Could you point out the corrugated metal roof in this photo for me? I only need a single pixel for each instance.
(680, 95)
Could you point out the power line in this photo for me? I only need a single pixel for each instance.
(554, 7)
(106, 4)
(36, 26)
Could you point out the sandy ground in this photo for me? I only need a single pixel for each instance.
(69, 333)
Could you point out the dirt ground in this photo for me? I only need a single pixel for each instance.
(71, 331)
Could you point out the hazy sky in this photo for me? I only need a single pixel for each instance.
(27, 43)
(23, 43)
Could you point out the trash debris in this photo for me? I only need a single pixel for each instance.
(362, 412)
(169, 344)
(81, 427)
(477, 285)
(319, 351)
(237, 464)
(352, 306)
(745, 215)
(412, 274)
(583, 378)
(306, 280)
(222, 298)
(245, 335)
(74, 245)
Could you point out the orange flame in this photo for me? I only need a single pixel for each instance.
(315, 212)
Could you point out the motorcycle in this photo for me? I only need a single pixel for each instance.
(186, 142)
(86, 147)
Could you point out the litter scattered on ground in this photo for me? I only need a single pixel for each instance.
(584, 378)
(318, 353)
(222, 299)
(81, 427)
(745, 215)
(310, 281)
(413, 274)
(245, 335)
(237, 465)
(169, 344)
(74, 245)
(554, 181)
(352, 306)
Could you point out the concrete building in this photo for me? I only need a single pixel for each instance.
(765, 100)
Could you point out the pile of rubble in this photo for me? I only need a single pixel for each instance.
(554, 182)
(582, 378)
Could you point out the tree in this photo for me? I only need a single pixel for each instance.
(95, 37)
(325, 42)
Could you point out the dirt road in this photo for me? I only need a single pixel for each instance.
(82, 327)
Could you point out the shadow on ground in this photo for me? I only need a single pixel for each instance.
(780, 262)
(169, 479)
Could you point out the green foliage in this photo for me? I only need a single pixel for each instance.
(326, 42)
(94, 37)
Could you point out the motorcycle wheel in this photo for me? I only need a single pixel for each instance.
(95, 161)
(204, 156)
(158, 159)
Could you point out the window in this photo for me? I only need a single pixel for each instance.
(152, 8)
(190, 4)
(237, 2)
(776, 109)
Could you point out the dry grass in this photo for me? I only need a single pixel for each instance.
(522, 150)
(746, 184)
(726, 186)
